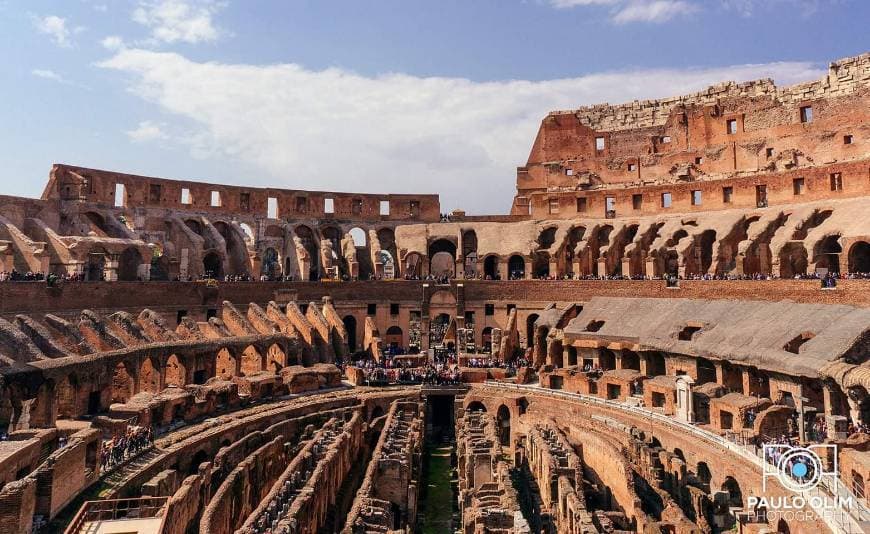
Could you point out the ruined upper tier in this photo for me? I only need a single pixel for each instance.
(734, 145)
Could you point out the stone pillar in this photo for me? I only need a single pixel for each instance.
(685, 404)
(110, 268)
(626, 266)
(650, 267)
(602, 266)
(644, 364)
(529, 274)
(503, 269)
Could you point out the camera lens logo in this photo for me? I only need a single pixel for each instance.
(797, 469)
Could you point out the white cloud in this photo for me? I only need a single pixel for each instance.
(145, 132)
(747, 8)
(112, 42)
(48, 75)
(337, 130)
(171, 21)
(55, 27)
(653, 11)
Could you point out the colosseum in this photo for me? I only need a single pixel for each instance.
(668, 333)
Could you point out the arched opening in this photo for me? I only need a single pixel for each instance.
(270, 265)
(251, 362)
(606, 360)
(309, 243)
(128, 265)
(387, 240)
(782, 527)
(704, 474)
(276, 358)
(655, 364)
(393, 337)
(575, 235)
(469, 252)
(547, 237)
(475, 406)
(225, 365)
(249, 234)
(363, 258)
(735, 496)
(198, 459)
(159, 264)
(530, 330)
(572, 356)
(793, 260)
(122, 383)
(504, 425)
(333, 252)
(438, 330)
(349, 322)
(706, 371)
(704, 252)
(541, 265)
(516, 267)
(176, 374)
(630, 360)
(96, 224)
(149, 378)
(680, 454)
(486, 340)
(413, 265)
(378, 411)
(828, 256)
(67, 391)
(95, 268)
(442, 258)
(212, 265)
(490, 267)
(859, 257)
(194, 225)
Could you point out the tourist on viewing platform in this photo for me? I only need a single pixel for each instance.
(120, 448)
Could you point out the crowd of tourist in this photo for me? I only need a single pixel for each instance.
(123, 447)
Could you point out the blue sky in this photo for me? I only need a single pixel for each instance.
(376, 96)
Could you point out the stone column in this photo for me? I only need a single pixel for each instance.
(685, 404)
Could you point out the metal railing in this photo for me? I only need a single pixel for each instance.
(116, 509)
(846, 520)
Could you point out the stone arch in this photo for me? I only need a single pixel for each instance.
(175, 372)
(412, 265)
(123, 385)
(194, 225)
(827, 253)
(703, 472)
(859, 257)
(271, 264)
(630, 360)
(349, 322)
(128, 264)
(212, 265)
(393, 337)
(225, 364)
(541, 265)
(276, 359)
(366, 270)
(703, 252)
(442, 257)
(95, 267)
(475, 406)
(490, 266)
(655, 364)
(149, 377)
(67, 396)
(607, 359)
(248, 234)
(96, 223)
(503, 417)
(793, 260)
(159, 264)
(735, 495)
(309, 243)
(516, 267)
(251, 362)
(199, 458)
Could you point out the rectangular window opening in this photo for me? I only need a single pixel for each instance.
(272, 208)
(610, 207)
(414, 208)
(120, 196)
(245, 201)
(385, 207)
(215, 199)
(599, 143)
(186, 198)
(731, 126)
(699, 160)
(769, 152)
(154, 192)
(666, 200)
(356, 206)
(301, 204)
(727, 194)
(581, 204)
(632, 167)
(637, 201)
(847, 139)
(371, 309)
(554, 205)
(806, 114)
(489, 309)
(394, 309)
(569, 172)
(798, 186)
(666, 139)
(328, 205)
(696, 197)
(836, 181)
